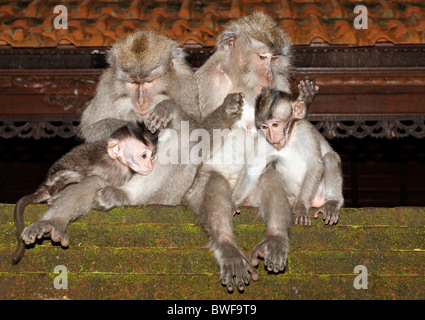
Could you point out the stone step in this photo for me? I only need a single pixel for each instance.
(159, 252)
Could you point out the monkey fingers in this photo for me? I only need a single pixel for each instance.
(330, 212)
(301, 215)
(307, 91)
(233, 103)
(160, 116)
(155, 123)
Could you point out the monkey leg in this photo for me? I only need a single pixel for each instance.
(108, 198)
(332, 188)
(216, 215)
(271, 198)
(73, 202)
(39, 196)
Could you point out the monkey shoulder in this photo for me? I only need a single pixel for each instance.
(82, 156)
(306, 131)
(213, 85)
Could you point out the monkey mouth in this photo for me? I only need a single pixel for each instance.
(142, 109)
(278, 146)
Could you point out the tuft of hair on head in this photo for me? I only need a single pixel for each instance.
(267, 102)
(261, 27)
(144, 52)
(137, 130)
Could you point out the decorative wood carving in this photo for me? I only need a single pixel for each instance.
(389, 127)
(399, 126)
(365, 91)
(38, 129)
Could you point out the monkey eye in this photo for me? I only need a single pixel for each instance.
(275, 124)
(275, 57)
(144, 155)
(262, 56)
(264, 126)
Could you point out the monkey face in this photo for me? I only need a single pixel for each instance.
(264, 61)
(139, 157)
(257, 71)
(274, 130)
(132, 153)
(142, 91)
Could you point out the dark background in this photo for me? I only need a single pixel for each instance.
(377, 172)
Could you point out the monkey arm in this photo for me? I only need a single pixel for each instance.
(224, 116)
(166, 114)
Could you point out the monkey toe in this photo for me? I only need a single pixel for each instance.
(36, 231)
(60, 236)
(275, 253)
(235, 267)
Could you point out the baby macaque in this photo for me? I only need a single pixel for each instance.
(310, 168)
(129, 150)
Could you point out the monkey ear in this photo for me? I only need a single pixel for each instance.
(177, 54)
(299, 109)
(227, 41)
(114, 148)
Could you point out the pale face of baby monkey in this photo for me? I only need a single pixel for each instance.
(273, 130)
(133, 153)
(275, 116)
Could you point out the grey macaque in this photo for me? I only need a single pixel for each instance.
(129, 150)
(309, 166)
(145, 69)
(252, 53)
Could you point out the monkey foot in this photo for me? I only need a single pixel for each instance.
(274, 250)
(233, 264)
(42, 228)
(330, 212)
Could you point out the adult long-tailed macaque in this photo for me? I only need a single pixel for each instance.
(309, 166)
(128, 150)
(252, 53)
(145, 68)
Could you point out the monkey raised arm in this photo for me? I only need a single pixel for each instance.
(226, 114)
(307, 92)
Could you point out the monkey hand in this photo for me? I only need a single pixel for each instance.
(330, 212)
(274, 250)
(301, 214)
(108, 197)
(45, 227)
(307, 91)
(233, 264)
(233, 104)
(160, 116)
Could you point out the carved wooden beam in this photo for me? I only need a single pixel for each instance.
(377, 92)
